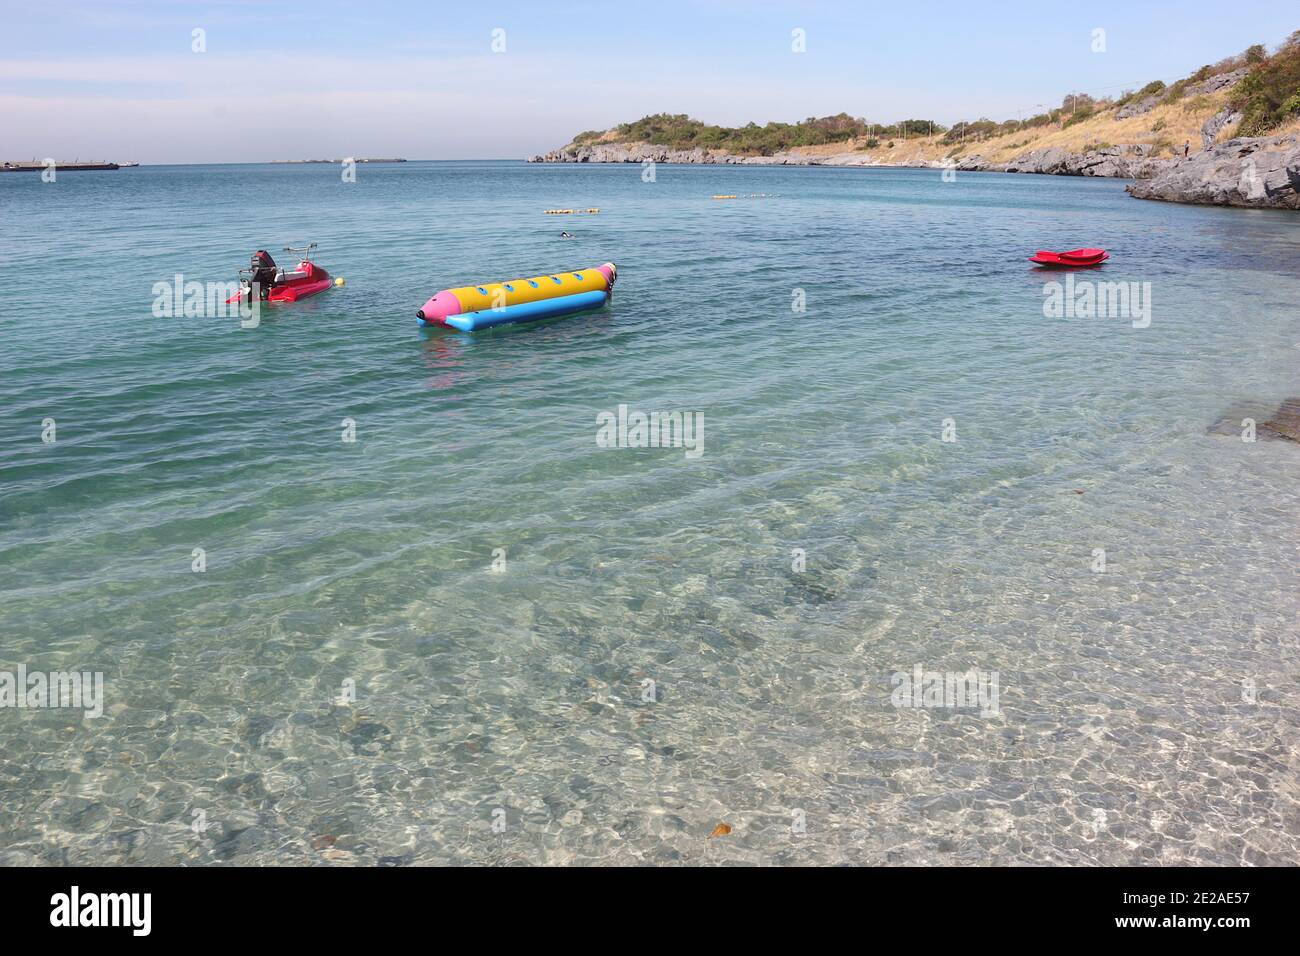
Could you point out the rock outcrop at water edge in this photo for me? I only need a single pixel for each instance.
(1123, 162)
(1261, 172)
(1119, 162)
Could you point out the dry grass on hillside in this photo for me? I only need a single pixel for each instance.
(1166, 128)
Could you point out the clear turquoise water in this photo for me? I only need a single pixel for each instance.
(369, 561)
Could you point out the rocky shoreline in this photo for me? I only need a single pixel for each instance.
(1124, 162)
(1259, 173)
(1263, 172)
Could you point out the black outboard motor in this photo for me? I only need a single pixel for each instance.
(262, 272)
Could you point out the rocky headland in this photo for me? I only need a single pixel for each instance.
(1261, 172)
(1173, 142)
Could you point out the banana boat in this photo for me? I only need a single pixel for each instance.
(473, 307)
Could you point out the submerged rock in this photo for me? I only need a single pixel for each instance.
(1261, 172)
(810, 587)
(1285, 422)
(367, 737)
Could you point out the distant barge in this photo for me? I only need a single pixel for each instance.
(34, 167)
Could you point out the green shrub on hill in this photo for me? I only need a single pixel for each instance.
(1176, 90)
(1270, 93)
(679, 131)
(1086, 111)
(979, 129)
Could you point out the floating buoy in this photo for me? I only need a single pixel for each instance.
(338, 280)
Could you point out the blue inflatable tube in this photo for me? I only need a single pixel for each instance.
(524, 311)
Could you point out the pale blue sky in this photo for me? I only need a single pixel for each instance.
(118, 79)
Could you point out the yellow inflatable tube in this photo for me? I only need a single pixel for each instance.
(498, 297)
(475, 298)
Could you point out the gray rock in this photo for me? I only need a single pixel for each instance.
(1211, 84)
(1137, 108)
(1216, 124)
(1120, 162)
(847, 159)
(1123, 162)
(1050, 161)
(1217, 82)
(1261, 172)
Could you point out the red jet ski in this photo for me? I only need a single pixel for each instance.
(1075, 258)
(277, 285)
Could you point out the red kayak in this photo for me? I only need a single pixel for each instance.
(279, 285)
(1073, 258)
